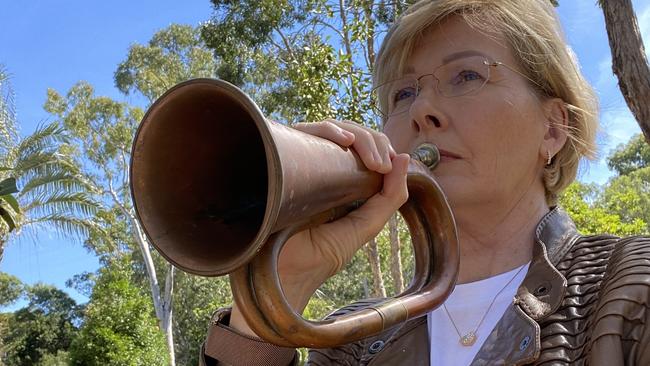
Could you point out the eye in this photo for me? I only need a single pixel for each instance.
(466, 76)
(403, 93)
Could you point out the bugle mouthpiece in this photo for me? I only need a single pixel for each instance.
(427, 154)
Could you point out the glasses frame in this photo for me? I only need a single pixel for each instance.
(488, 63)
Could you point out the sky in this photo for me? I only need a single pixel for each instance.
(54, 44)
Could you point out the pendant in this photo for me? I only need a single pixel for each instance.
(468, 339)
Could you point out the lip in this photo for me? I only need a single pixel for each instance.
(447, 154)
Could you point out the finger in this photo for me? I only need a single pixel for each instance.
(364, 144)
(367, 221)
(384, 148)
(327, 130)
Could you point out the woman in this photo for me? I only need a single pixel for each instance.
(493, 84)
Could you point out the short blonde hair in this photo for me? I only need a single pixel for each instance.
(532, 30)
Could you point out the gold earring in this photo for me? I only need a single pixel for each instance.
(548, 162)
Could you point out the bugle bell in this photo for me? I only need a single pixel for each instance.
(218, 189)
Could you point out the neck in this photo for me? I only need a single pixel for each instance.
(494, 240)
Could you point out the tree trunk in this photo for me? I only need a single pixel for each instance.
(395, 255)
(379, 290)
(167, 314)
(162, 304)
(629, 61)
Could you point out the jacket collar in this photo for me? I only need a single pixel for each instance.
(540, 294)
(543, 288)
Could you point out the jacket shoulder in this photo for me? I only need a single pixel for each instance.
(624, 302)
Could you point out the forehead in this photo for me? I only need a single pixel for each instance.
(454, 38)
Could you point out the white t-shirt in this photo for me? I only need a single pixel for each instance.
(467, 304)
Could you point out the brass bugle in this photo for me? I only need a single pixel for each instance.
(218, 189)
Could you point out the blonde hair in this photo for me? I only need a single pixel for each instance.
(532, 30)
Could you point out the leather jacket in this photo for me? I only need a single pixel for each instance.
(584, 300)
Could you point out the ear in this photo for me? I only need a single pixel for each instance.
(556, 127)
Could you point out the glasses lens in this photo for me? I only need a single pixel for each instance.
(459, 77)
(399, 95)
(462, 76)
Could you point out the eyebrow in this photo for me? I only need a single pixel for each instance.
(454, 56)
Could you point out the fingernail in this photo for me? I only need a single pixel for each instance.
(387, 160)
(376, 157)
(347, 134)
(405, 167)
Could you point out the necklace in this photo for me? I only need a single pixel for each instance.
(469, 339)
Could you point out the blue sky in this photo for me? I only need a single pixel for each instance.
(53, 44)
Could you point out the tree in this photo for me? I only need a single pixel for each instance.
(629, 61)
(51, 193)
(301, 60)
(119, 325)
(621, 206)
(10, 289)
(630, 157)
(104, 129)
(173, 55)
(195, 301)
(585, 206)
(46, 326)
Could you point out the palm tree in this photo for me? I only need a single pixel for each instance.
(51, 193)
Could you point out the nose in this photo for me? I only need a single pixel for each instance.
(425, 114)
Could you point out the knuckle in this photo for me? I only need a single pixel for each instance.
(383, 138)
(366, 134)
(329, 124)
(300, 125)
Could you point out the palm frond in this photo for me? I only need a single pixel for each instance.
(8, 128)
(45, 138)
(39, 162)
(60, 181)
(11, 201)
(73, 203)
(64, 225)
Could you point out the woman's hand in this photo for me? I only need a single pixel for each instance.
(313, 255)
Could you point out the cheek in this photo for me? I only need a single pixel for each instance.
(399, 135)
(505, 139)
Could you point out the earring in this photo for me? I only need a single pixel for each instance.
(548, 162)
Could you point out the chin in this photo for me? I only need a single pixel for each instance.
(462, 194)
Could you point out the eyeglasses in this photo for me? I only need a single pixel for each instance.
(454, 79)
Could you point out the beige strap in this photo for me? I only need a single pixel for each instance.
(230, 347)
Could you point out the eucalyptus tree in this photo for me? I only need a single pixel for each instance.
(104, 130)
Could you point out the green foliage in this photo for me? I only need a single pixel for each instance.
(61, 358)
(198, 297)
(10, 289)
(628, 196)
(300, 60)
(9, 207)
(631, 156)
(103, 130)
(173, 55)
(52, 195)
(592, 216)
(119, 326)
(46, 326)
